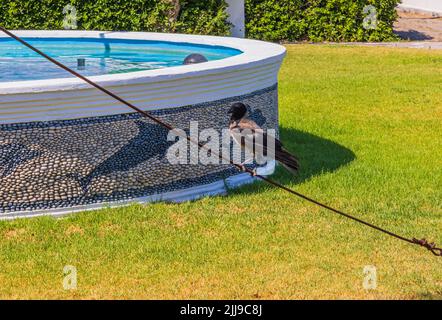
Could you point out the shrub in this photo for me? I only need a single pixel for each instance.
(272, 20)
(187, 16)
(319, 20)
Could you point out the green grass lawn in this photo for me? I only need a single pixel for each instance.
(366, 124)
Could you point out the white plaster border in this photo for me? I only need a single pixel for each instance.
(433, 7)
(213, 189)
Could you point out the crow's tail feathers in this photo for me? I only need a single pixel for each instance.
(289, 161)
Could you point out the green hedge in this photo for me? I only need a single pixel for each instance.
(318, 20)
(272, 20)
(194, 16)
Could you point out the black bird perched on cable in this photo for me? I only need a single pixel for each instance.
(243, 128)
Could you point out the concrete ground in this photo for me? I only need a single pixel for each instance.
(419, 26)
(418, 29)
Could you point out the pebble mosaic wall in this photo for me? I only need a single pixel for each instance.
(61, 164)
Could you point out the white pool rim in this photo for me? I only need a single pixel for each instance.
(57, 99)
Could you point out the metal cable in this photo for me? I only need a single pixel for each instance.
(420, 242)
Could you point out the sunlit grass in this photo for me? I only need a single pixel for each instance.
(366, 124)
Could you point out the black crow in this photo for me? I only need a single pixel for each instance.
(242, 129)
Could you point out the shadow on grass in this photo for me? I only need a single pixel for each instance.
(317, 156)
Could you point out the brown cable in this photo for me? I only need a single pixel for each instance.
(431, 246)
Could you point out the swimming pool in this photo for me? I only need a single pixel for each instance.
(66, 147)
(101, 56)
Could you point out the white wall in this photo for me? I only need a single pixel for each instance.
(423, 5)
(236, 17)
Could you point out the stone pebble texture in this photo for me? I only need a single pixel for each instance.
(61, 164)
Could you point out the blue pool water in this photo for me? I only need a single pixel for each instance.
(102, 56)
